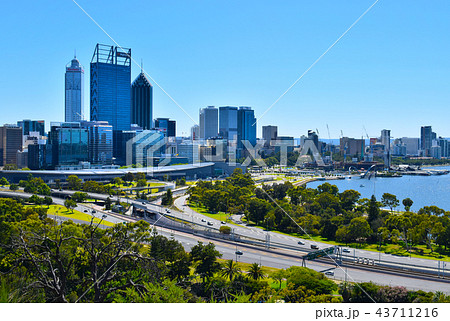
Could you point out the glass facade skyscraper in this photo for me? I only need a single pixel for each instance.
(100, 142)
(142, 102)
(70, 143)
(228, 122)
(209, 122)
(74, 96)
(111, 86)
(169, 127)
(246, 128)
(32, 126)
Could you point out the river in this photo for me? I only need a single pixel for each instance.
(423, 190)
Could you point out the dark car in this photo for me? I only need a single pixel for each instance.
(239, 252)
(346, 250)
(314, 247)
(93, 212)
(210, 223)
(301, 243)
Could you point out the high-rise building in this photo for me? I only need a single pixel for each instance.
(209, 126)
(312, 135)
(228, 123)
(269, 133)
(167, 126)
(32, 126)
(426, 140)
(74, 97)
(100, 142)
(195, 132)
(386, 139)
(142, 102)
(110, 86)
(70, 143)
(10, 144)
(246, 128)
(352, 147)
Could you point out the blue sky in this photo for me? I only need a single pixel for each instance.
(390, 71)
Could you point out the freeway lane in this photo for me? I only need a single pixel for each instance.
(278, 259)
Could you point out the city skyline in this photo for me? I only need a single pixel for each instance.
(372, 78)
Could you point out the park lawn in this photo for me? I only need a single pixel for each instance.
(221, 216)
(60, 210)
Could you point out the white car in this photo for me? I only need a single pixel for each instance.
(346, 250)
(329, 273)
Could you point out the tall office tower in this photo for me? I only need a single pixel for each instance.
(195, 132)
(167, 126)
(269, 133)
(312, 135)
(32, 126)
(246, 128)
(110, 86)
(228, 123)
(142, 102)
(386, 139)
(70, 143)
(10, 144)
(209, 126)
(100, 141)
(74, 103)
(426, 139)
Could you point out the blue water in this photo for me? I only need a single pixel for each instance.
(423, 190)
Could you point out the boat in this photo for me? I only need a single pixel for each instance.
(361, 185)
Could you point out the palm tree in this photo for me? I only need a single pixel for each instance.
(230, 269)
(255, 272)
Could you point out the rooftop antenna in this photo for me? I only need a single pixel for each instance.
(75, 53)
(142, 66)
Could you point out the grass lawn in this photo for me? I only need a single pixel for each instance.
(221, 216)
(60, 210)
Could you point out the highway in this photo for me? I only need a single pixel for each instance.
(278, 258)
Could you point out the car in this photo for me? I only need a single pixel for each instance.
(314, 247)
(203, 220)
(167, 210)
(93, 212)
(223, 222)
(143, 203)
(301, 243)
(85, 211)
(210, 223)
(238, 252)
(329, 273)
(346, 250)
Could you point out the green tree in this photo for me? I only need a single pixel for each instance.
(10, 167)
(3, 181)
(373, 211)
(70, 204)
(359, 228)
(13, 187)
(255, 272)
(167, 199)
(108, 204)
(205, 260)
(407, 203)
(310, 279)
(58, 183)
(230, 269)
(74, 183)
(79, 197)
(279, 275)
(389, 200)
(48, 201)
(118, 181)
(141, 183)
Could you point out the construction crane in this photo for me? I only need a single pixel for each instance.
(331, 149)
(371, 147)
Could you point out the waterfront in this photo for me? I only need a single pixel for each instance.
(423, 190)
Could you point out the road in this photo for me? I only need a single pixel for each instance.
(278, 258)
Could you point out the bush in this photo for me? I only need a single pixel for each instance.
(225, 229)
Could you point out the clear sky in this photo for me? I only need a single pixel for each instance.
(390, 71)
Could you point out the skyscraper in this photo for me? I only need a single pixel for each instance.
(246, 130)
(426, 139)
(228, 122)
(74, 96)
(32, 126)
(110, 86)
(70, 143)
(142, 102)
(209, 126)
(386, 139)
(100, 141)
(10, 143)
(168, 126)
(269, 133)
(195, 132)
